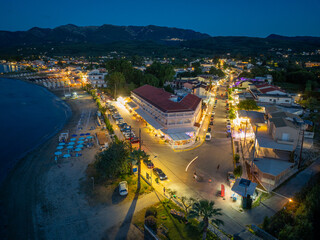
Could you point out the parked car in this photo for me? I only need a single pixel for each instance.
(214, 106)
(159, 173)
(211, 123)
(213, 113)
(123, 188)
(208, 136)
(149, 164)
(209, 129)
(135, 140)
(228, 126)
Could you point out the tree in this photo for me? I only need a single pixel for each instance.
(187, 202)
(116, 83)
(248, 105)
(150, 79)
(136, 156)
(217, 72)
(113, 161)
(205, 210)
(237, 172)
(164, 72)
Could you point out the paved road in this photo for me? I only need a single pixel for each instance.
(208, 156)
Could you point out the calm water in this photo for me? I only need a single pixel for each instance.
(29, 116)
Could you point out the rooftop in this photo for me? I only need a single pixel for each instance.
(255, 117)
(282, 122)
(244, 187)
(159, 98)
(272, 166)
(265, 140)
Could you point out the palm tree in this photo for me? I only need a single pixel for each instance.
(136, 156)
(205, 210)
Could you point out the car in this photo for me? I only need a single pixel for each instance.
(208, 136)
(135, 140)
(228, 126)
(228, 120)
(227, 108)
(213, 113)
(159, 173)
(209, 129)
(231, 178)
(215, 106)
(216, 101)
(123, 188)
(229, 123)
(212, 118)
(149, 164)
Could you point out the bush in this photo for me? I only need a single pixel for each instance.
(151, 222)
(237, 171)
(152, 211)
(237, 157)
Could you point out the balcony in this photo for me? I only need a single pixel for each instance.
(289, 141)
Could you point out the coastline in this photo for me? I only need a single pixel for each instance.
(43, 139)
(21, 189)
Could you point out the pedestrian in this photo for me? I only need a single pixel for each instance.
(164, 190)
(218, 166)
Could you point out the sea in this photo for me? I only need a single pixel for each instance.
(30, 115)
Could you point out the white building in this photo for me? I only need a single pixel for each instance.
(168, 115)
(96, 78)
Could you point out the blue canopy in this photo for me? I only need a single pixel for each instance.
(66, 155)
(60, 147)
(74, 135)
(71, 143)
(78, 149)
(80, 142)
(80, 146)
(87, 134)
(57, 153)
(69, 147)
(61, 144)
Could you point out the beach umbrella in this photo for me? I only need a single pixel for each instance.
(57, 153)
(73, 139)
(80, 146)
(60, 147)
(69, 147)
(89, 137)
(66, 155)
(61, 144)
(82, 134)
(78, 149)
(74, 135)
(80, 142)
(71, 143)
(81, 138)
(87, 134)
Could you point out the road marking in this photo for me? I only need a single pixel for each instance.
(191, 162)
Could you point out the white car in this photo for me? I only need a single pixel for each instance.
(213, 113)
(208, 136)
(123, 188)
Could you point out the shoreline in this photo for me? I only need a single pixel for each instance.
(68, 114)
(21, 189)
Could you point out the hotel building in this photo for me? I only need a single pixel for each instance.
(169, 116)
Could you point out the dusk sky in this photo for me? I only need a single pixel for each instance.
(217, 18)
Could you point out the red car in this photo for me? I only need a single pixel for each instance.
(135, 140)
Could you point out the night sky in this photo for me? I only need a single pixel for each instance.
(217, 18)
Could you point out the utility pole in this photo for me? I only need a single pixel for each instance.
(300, 159)
(245, 133)
(254, 151)
(139, 161)
(130, 140)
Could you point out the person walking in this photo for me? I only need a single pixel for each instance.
(218, 167)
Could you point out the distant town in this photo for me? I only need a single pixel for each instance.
(154, 141)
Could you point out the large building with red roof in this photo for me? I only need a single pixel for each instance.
(170, 116)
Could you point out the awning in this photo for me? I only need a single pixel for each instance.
(148, 118)
(179, 136)
(179, 130)
(132, 105)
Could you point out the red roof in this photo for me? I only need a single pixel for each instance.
(161, 99)
(270, 89)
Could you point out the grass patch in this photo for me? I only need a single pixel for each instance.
(174, 228)
(107, 192)
(264, 196)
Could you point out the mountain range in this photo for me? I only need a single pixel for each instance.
(72, 40)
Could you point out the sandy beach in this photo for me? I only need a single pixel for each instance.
(23, 191)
